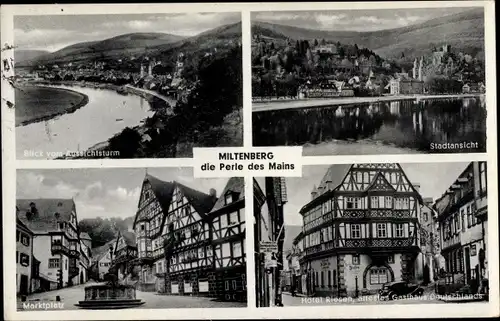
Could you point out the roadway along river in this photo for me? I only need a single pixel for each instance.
(105, 114)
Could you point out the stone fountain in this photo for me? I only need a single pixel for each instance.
(110, 295)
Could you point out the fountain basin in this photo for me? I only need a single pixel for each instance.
(106, 296)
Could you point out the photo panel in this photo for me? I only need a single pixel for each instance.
(370, 82)
(129, 238)
(127, 85)
(373, 234)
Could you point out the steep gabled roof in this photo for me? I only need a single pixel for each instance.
(383, 180)
(332, 179)
(85, 236)
(44, 220)
(22, 225)
(201, 202)
(234, 185)
(129, 238)
(99, 252)
(164, 190)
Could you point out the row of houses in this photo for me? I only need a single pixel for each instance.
(50, 251)
(184, 242)
(367, 224)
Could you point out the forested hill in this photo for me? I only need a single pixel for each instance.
(102, 231)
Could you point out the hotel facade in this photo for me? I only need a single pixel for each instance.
(360, 230)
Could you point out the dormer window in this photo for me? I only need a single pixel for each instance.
(230, 197)
(59, 204)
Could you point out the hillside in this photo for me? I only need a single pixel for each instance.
(120, 46)
(463, 31)
(154, 45)
(26, 55)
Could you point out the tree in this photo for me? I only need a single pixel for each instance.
(315, 42)
(127, 143)
(323, 42)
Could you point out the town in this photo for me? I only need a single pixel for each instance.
(184, 248)
(284, 69)
(166, 97)
(369, 235)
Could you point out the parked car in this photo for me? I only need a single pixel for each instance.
(393, 290)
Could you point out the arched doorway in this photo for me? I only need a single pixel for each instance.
(82, 280)
(375, 276)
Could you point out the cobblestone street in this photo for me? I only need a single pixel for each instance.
(71, 296)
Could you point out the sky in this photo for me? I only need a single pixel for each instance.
(434, 179)
(104, 192)
(54, 32)
(354, 20)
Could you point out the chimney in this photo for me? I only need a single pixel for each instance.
(213, 193)
(314, 193)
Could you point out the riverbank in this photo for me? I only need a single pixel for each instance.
(46, 109)
(258, 106)
(229, 133)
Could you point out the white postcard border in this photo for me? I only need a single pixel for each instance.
(251, 312)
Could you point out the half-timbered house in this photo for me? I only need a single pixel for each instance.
(228, 240)
(124, 251)
(360, 229)
(173, 237)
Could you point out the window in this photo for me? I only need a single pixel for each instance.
(355, 259)
(316, 274)
(334, 277)
(374, 201)
(228, 198)
(17, 257)
(426, 216)
(483, 183)
(237, 249)
(24, 259)
(17, 236)
(235, 285)
(233, 218)
(66, 265)
(329, 279)
(322, 278)
(352, 202)
(223, 221)
(379, 275)
(54, 263)
(355, 231)
(390, 259)
(457, 223)
(399, 230)
(388, 202)
(469, 217)
(381, 230)
(226, 285)
(25, 239)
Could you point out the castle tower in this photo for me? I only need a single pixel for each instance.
(142, 70)
(420, 69)
(414, 74)
(150, 69)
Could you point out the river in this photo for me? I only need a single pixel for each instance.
(105, 114)
(379, 128)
